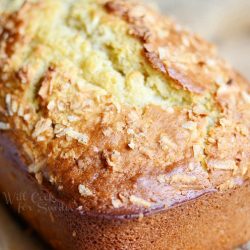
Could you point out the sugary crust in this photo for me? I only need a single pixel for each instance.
(212, 221)
(101, 147)
(182, 56)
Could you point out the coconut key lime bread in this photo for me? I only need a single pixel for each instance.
(121, 129)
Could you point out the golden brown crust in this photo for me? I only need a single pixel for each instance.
(182, 56)
(212, 221)
(80, 127)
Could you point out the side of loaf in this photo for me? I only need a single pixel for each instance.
(212, 221)
(120, 114)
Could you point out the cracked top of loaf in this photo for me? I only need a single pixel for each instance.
(117, 107)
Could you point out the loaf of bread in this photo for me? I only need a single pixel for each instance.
(119, 129)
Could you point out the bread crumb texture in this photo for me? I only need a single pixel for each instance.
(120, 106)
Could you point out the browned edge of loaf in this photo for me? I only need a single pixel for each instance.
(212, 221)
(195, 224)
(168, 142)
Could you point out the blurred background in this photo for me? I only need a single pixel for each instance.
(225, 23)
